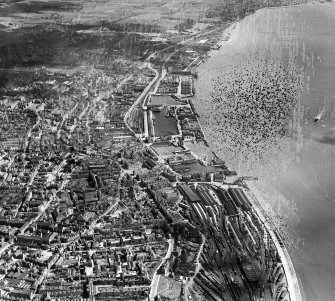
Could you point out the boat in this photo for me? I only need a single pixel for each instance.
(319, 116)
(157, 109)
(216, 47)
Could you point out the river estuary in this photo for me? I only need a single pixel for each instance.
(258, 97)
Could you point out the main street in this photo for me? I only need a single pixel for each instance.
(140, 100)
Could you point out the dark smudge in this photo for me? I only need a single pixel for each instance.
(328, 138)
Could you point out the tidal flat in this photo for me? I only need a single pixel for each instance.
(258, 97)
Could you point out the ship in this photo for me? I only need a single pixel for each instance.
(216, 47)
(319, 116)
(157, 109)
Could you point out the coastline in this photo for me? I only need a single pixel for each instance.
(269, 219)
(302, 207)
(294, 285)
(148, 175)
(302, 4)
(229, 31)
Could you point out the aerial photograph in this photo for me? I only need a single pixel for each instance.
(167, 150)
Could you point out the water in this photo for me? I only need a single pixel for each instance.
(258, 97)
(165, 126)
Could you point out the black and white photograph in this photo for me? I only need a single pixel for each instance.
(167, 150)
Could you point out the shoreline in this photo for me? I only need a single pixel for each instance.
(302, 4)
(232, 26)
(268, 219)
(295, 287)
(288, 266)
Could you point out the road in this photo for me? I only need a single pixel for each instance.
(108, 210)
(5, 246)
(155, 82)
(125, 80)
(67, 114)
(142, 97)
(163, 74)
(197, 269)
(159, 76)
(26, 142)
(76, 121)
(88, 119)
(155, 278)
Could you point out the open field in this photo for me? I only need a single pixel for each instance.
(76, 33)
(169, 289)
(166, 14)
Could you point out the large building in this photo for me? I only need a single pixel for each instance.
(187, 192)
